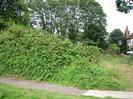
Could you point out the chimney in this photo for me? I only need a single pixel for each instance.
(126, 36)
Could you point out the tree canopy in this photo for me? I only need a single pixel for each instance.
(124, 5)
(15, 10)
(117, 37)
(78, 20)
(70, 18)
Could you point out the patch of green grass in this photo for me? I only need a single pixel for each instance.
(115, 58)
(123, 64)
(12, 92)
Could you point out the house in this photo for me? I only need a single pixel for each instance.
(129, 39)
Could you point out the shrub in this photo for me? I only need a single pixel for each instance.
(35, 55)
(2, 25)
(114, 49)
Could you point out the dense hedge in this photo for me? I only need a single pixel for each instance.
(35, 55)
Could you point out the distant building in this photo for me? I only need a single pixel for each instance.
(129, 39)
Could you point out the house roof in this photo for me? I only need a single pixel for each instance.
(130, 36)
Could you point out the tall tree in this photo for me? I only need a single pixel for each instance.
(71, 17)
(94, 23)
(115, 36)
(118, 37)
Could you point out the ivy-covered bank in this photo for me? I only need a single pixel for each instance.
(36, 55)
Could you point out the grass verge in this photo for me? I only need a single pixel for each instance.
(123, 64)
(12, 92)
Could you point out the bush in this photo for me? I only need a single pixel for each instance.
(35, 55)
(114, 49)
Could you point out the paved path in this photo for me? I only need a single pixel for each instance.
(42, 86)
(114, 94)
(66, 90)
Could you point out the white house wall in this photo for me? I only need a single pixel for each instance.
(130, 43)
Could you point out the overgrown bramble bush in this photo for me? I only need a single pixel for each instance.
(33, 54)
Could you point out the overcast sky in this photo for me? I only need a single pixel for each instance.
(116, 19)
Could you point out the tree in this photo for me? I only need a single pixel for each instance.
(15, 10)
(124, 5)
(94, 23)
(96, 35)
(117, 37)
(71, 17)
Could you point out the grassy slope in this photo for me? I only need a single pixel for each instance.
(124, 65)
(35, 55)
(12, 92)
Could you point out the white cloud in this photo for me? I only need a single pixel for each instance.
(116, 19)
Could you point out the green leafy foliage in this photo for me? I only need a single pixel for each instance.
(70, 18)
(117, 37)
(124, 5)
(114, 49)
(13, 10)
(36, 55)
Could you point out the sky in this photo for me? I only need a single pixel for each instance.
(116, 19)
